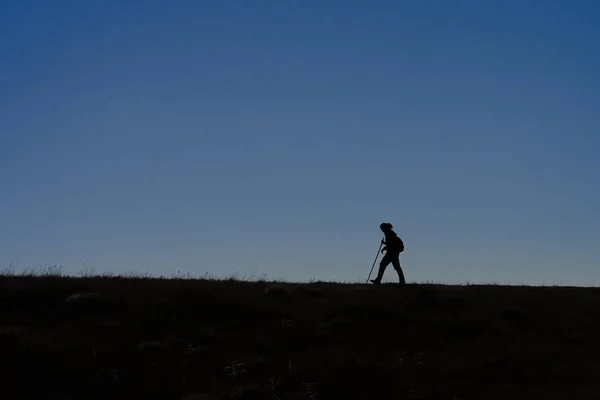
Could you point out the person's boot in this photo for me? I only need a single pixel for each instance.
(401, 279)
(376, 281)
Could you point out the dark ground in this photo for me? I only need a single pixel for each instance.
(103, 338)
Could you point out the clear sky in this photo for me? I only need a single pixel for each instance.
(273, 137)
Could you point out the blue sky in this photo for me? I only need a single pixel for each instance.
(270, 137)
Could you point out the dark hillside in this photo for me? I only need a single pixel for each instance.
(102, 338)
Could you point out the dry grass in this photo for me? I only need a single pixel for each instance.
(124, 338)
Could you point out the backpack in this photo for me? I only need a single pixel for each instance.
(400, 244)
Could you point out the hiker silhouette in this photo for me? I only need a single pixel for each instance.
(393, 247)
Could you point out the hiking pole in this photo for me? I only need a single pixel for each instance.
(381, 244)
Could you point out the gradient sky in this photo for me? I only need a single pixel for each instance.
(273, 137)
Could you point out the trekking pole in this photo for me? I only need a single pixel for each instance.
(381, 244)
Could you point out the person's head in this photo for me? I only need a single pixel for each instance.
(386, 227)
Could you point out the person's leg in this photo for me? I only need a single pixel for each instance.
(398, 268)
(385, 261)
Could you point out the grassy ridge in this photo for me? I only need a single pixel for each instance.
(123, 338)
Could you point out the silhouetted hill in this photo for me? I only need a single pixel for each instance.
(126, 338)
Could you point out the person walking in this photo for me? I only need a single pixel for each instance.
(393, 246)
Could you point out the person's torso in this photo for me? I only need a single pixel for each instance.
(392, 241)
